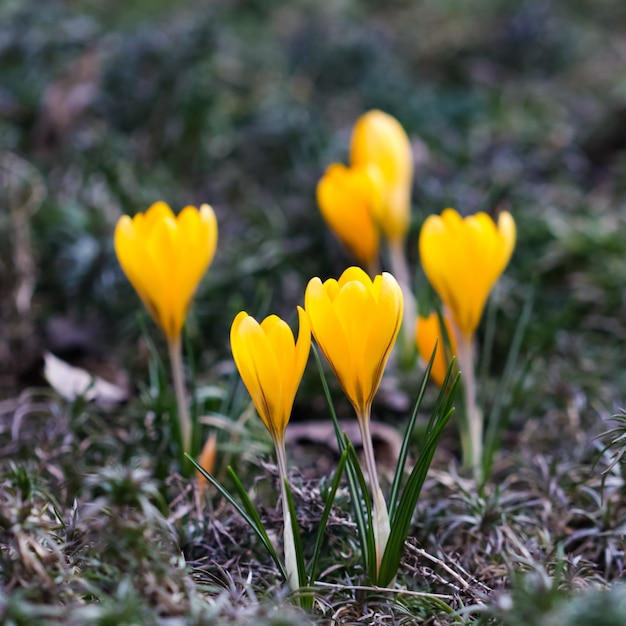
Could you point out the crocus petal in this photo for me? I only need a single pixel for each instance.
(428, 335)
(348, 198)
(328, 331)
(378, 138)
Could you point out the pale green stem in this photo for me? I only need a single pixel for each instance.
(176, 362)
(472, 437)
(380, 515)
(291, 562)
(401, 272)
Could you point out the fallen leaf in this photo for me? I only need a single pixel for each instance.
(74, 382)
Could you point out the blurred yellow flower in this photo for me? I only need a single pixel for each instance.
(379, 139)
(164, 257)
(271, 365)
(355, 322)
(427, 335)
(463, 259)
(348, 198)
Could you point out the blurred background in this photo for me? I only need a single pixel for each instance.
(106, 107)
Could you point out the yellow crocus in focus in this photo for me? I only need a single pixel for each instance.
(271, 364)
(463, 259)
(164, 257)
(348, 198)
(355, 322)
(379, 139)
(428, 335)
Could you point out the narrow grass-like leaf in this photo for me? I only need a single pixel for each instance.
(247, 512)
(355, 496)
(406, 440)
(410, 495)
(306, 600)
(498, 416)
(369, 540)
(321, 530)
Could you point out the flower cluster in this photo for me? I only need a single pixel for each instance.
(354, 320)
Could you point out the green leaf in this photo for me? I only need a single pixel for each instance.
(369, 539)
(321, 530)
(406, 440)
(499, 415)
(402, 519)
(250, 514)
(355, 495)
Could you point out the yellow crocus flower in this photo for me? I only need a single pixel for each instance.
(463, 259)
(347, 198)
(379, 139)
(355, 322)
(164, 258)
(427, 335)
(271, 365)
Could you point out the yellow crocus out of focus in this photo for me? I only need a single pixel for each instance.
(379, 139)
(463, 259)
(355, 321)
(348, 197)
(164, 257)
(428, 335)
(271, 364)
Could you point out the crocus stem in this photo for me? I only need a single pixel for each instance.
(400, 271)
(380, 514)
(291, 563)
(472, 438)
(176, 361)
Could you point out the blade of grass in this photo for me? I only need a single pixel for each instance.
(404, 450)
(404, 513)
(355, 496)
(498, 415)
(369, 540)
(249, 514)
(330, 498)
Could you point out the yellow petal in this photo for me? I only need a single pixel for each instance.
(328, 330)
(428, 335)
(347, 198)
(259, 370)
(379, 138)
